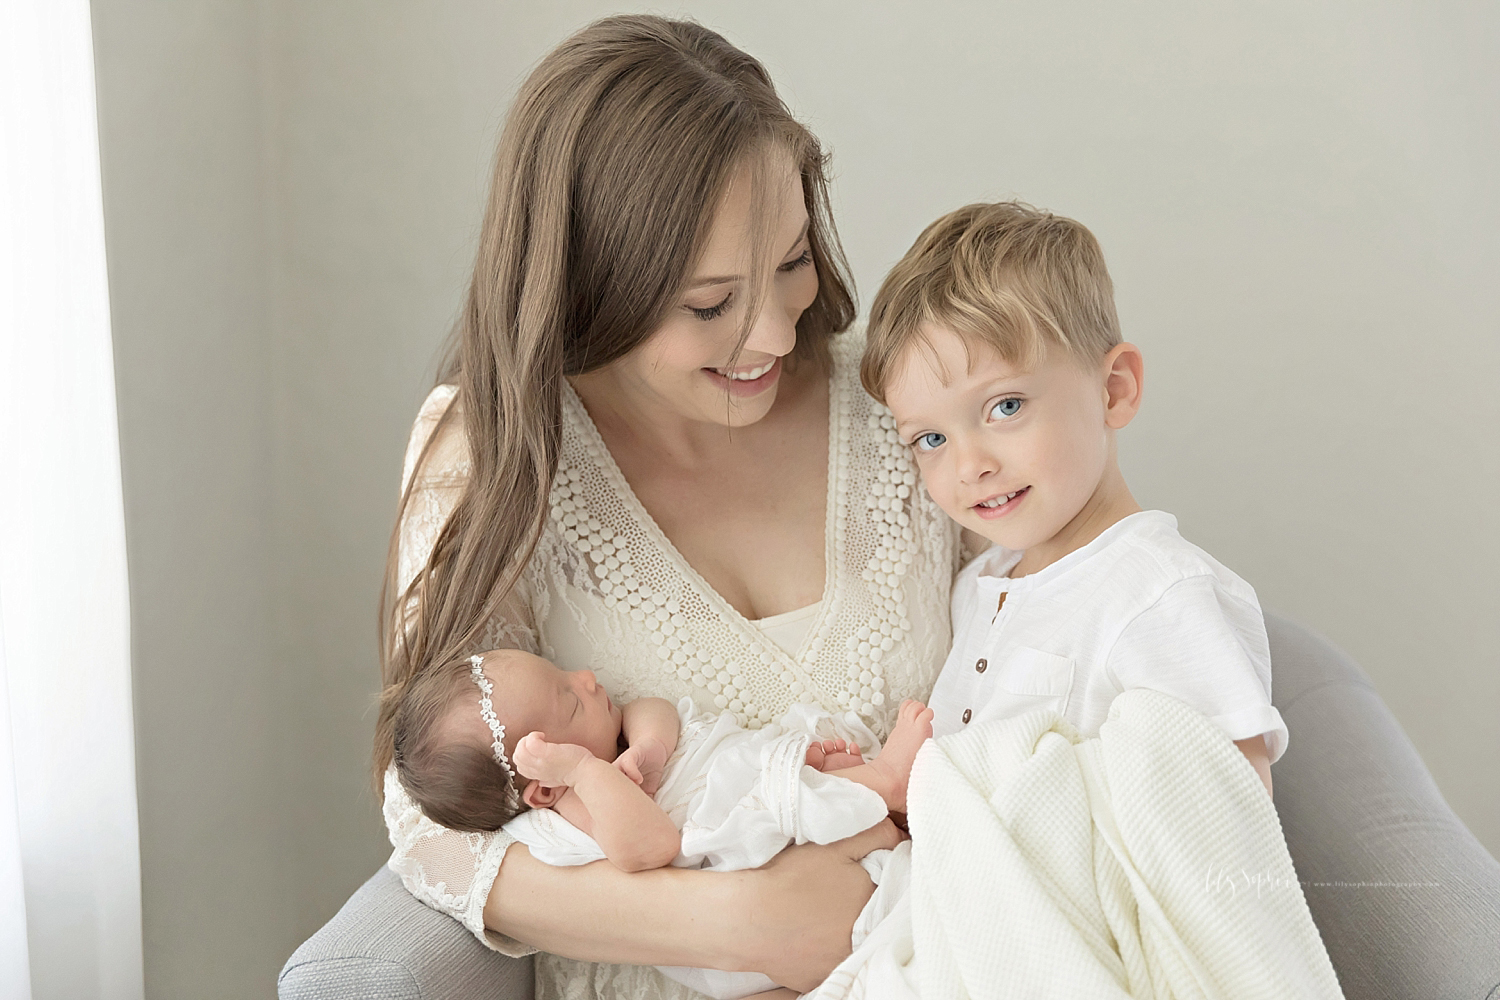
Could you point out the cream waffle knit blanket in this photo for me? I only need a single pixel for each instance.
(1146, 862)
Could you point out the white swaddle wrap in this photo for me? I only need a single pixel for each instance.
(739, 796)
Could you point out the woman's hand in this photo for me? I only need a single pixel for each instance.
(801, 906)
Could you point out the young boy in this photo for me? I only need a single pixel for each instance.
(995, 344)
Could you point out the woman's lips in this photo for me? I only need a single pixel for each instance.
(742, 387)
(1001, 509)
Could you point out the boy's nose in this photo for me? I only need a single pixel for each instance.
(590, 682)
(974, 463)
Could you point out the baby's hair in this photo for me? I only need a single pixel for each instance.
(1015, 278)
(446, 766)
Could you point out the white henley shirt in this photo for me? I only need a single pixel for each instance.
(1138, 607)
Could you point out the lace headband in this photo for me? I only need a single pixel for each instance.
(487, 713)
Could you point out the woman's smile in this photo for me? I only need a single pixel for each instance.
(744, 381)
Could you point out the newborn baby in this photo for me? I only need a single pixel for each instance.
(576, 778)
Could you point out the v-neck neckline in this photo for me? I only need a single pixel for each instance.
(832, 514)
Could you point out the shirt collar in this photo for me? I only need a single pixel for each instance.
(997, 561)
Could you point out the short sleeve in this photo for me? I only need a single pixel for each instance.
(450, 870)
(1208, 649)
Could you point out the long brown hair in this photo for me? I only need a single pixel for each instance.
(612, 161)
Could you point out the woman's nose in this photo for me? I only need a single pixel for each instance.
(774, 330)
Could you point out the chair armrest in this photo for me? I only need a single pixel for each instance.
(386, 945)
(1405, 897)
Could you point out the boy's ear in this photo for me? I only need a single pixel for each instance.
(540, 796)
(1124, 380)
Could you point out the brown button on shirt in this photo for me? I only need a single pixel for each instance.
(968, 714)
(981, 665)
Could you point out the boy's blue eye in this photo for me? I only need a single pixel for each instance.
(1008, 407)
(928, 441)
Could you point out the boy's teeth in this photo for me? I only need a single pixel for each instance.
(748, 376)
(998, 500)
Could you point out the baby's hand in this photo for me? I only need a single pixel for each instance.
(643, 763)
(550, 763)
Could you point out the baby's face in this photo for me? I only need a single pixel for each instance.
(1014, 455)
(565, 706)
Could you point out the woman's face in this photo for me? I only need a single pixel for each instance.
(684, 367)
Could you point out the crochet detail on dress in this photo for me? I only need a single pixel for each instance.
(690, 641)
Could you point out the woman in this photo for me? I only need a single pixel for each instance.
(650, 456)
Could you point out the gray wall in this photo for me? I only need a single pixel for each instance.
(1297, 202)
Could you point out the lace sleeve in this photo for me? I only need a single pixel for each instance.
(449, 870)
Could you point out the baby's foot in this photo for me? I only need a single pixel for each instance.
(833, 755)
(913, 728)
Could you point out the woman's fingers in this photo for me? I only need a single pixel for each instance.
(806, 901)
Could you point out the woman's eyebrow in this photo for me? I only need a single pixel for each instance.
(720, 279)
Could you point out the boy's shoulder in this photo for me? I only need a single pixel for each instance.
(1150, 555)
(1132, 563)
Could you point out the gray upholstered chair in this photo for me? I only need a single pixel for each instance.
(1407, 900)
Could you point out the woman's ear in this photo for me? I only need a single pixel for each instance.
(540, 796)
(1124, 380)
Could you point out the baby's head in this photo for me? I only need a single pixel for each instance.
(995, 344)
(447, 755)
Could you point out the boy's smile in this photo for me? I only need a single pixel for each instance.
(1001, 504)
(1022, 456)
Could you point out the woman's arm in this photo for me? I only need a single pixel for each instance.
(790, 919)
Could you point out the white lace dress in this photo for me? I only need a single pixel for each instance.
(607, 591)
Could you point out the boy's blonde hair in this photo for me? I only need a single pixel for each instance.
(1017, 279)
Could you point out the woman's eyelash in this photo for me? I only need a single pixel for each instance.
(802, 260)
(715, 311)
(712, 312)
